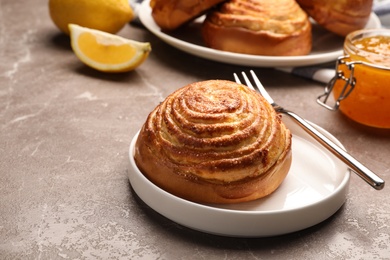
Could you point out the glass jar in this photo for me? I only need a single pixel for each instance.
(361, 86)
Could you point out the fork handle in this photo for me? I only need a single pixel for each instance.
(362, 171)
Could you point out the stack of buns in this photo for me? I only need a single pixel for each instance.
(214, 141)
(262, 27)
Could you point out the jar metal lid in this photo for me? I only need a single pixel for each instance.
(361, 57)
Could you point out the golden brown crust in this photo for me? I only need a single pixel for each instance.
(339, 16)
(260, 27)
(214, 142)
(171, 14)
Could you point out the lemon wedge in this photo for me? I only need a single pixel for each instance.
(107, 52)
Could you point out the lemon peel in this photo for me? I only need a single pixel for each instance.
(104, 15)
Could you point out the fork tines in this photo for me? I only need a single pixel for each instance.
(247, 81)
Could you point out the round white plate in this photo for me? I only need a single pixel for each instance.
(326, 46)
(314, 189)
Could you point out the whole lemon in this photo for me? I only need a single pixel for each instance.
(105, 15)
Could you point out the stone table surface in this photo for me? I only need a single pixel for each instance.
(65, 131)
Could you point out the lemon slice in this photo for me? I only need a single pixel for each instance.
(107, 52)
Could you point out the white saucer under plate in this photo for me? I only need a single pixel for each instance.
(327, 46)
(314, 189)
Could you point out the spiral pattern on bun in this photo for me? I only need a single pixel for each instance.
(216, 142)
(259, 27)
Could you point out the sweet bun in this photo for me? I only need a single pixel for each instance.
(214, 142)
(171, 14)
(259, 27)
(339, 16)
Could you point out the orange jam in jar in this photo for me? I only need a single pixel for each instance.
(365, 74)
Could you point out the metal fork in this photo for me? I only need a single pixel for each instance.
(362, 171)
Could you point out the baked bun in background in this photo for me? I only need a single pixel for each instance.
(214, 142)
(339, 16)
(259, 27)
(171, 14)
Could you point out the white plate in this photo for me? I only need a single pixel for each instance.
(314, 189)
(326, 46)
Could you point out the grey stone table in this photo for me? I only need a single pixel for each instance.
(65, 130)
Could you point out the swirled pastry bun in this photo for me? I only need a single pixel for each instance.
(214, 142)
(259, 27)
(171, 14)
(339, 16)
